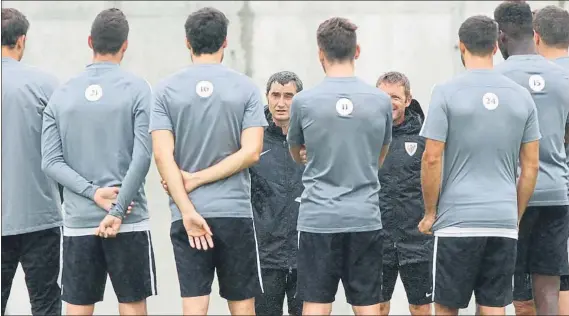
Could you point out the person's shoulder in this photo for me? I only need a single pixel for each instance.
(134, 80)
(37, 75)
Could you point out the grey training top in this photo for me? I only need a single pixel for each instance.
(95, 134)
(207, 106)
(483, 118)
(30, 200)
(548, 84)
(564, 62)
(344, 123)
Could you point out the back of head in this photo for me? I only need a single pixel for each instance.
(109, 31)
(206, 30)
(552, 25)
(515, 20)
(14, 26)
(337, 38)
(479, 35)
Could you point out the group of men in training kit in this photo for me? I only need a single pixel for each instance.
(285, 199)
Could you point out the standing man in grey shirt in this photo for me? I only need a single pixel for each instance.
(471, 199)
(208, 120)
(31, 214)
(551, 36)
(544, 229)
(345, 126)
(95, 143)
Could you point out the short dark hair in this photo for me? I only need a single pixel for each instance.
(14, 25)
(337, 38)
(515, 19)
(479, 34)
(206, 30)
(395, 77)
(284, 77)
(552, 25)
(109, 31)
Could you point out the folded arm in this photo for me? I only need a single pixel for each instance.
(141, 157)
(53, 163)
(163, 147)
(245, 157)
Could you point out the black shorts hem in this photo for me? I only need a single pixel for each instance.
(80, 302)
(369, 302)
(237, 298)
(135, 299)
(190, 295)
(449, 304)
(316, 300)
(421, 302)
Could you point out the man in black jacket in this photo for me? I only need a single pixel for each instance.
(276, 186)
(406, 251)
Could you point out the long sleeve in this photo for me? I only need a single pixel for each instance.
(52, 162)
(141, 155)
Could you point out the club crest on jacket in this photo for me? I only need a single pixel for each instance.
(410, 148)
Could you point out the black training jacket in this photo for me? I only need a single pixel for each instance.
(400, 197)
(276, 186)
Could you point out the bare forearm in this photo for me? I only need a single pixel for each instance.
(430, 183)
(170, 172)
(295, 154)
(229, 166)
(526, 186)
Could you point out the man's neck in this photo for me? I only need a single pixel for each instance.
(10, 53)
(283, 125)
(552, 53)
(525, 47)
(340, 70)
(207, 59)
(479, 63)
(108, 58)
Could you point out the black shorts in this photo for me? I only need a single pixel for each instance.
(128, 259)
(523, 286)
(564, 284)
(416, 278)
(38, 253)
(234, 256)
(325, 259)
(542, 243)
(483, 265)
(277, 283)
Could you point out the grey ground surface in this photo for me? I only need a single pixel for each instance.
(168, 299)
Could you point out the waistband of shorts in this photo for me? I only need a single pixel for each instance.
(141, 226)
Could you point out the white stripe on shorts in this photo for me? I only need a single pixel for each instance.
(59, 276)
(151, 267)
(435, 265)
(258, 258)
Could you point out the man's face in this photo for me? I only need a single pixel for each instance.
(398, 99)
(280, 98)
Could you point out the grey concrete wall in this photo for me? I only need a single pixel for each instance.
(418, 38)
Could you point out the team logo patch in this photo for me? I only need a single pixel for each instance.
(344, 107)
(410, 148)
(490, 101)
(536, 83)
(93, 92)
(204, 89)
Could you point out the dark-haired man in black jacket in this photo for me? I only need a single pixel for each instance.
(276, 186)
(406, 251)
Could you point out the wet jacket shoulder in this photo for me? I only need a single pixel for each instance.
(276, 185)
(400, 197)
